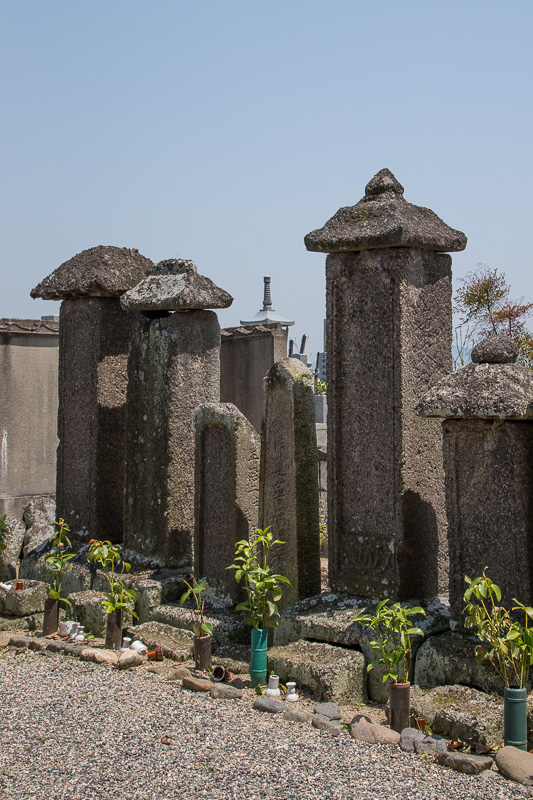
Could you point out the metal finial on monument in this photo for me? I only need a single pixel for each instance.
(267, 314)
(267, 300)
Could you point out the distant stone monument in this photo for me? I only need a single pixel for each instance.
(94, 333)
(173, 368)
(226, 493)
(288, 493)
(389, 327)
(487, 411)
(246, 355)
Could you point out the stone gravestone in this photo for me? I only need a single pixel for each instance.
(226, 493)
(487, 411)
(173, 367)
(389, 327)
(288, 493)
(94, 332)
(246, 355)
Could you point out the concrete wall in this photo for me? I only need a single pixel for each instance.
(28, 411)
(246, 355)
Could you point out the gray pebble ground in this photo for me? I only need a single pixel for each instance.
(71, 730)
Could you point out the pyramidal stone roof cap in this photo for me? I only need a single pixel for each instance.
(491, 387)
(103, 271)
(175, 285)
(383, 218)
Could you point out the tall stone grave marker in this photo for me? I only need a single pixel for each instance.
(288, 494)
(226, 493)
(388, 337)
(94, 332)
(487, 411)
(173, 367)
(246, 355)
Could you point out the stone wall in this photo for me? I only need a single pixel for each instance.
(28, 411)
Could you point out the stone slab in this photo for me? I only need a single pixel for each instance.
(31, 623)
(175, 643)
(449, 659)
(228, 628)
(328, 618)
(29, 600)
(331, 673)
(460, 713)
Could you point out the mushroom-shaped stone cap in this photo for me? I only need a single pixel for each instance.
(490, 388)
(383, 218)
(103, 271)
(495, 350)
(175, 285)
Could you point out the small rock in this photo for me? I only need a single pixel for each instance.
(490, 775)
(38, 644)
(18, 641)
(515, 764)
(196, 684)
(99, 656)
(297, 716)
(415, 741)
(323, 723)
(73, 649)
(362, 729)
(56, 647)
(178, 674)
(222, 691)
(130, 658)
(266, 704)
(329, 710)
(464, 762)
(160, 669)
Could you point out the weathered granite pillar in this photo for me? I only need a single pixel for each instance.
(288, 486)
(388, 337)
(173, 367)
(226, 493)
(487, 411)
(93, 345)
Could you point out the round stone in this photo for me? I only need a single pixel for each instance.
(495, 350)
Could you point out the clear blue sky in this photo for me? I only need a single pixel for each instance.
(224, 131)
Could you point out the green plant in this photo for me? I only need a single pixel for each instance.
(393, 643)
(323, 525)
(4, 530)
(319, 386)
(506, 643)
(109, 557)
(57, 560)
(199, 626)
(261, 584)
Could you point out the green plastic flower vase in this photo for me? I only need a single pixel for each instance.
(515, 718)
(258, 656)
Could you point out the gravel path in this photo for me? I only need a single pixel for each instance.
(77, 731)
